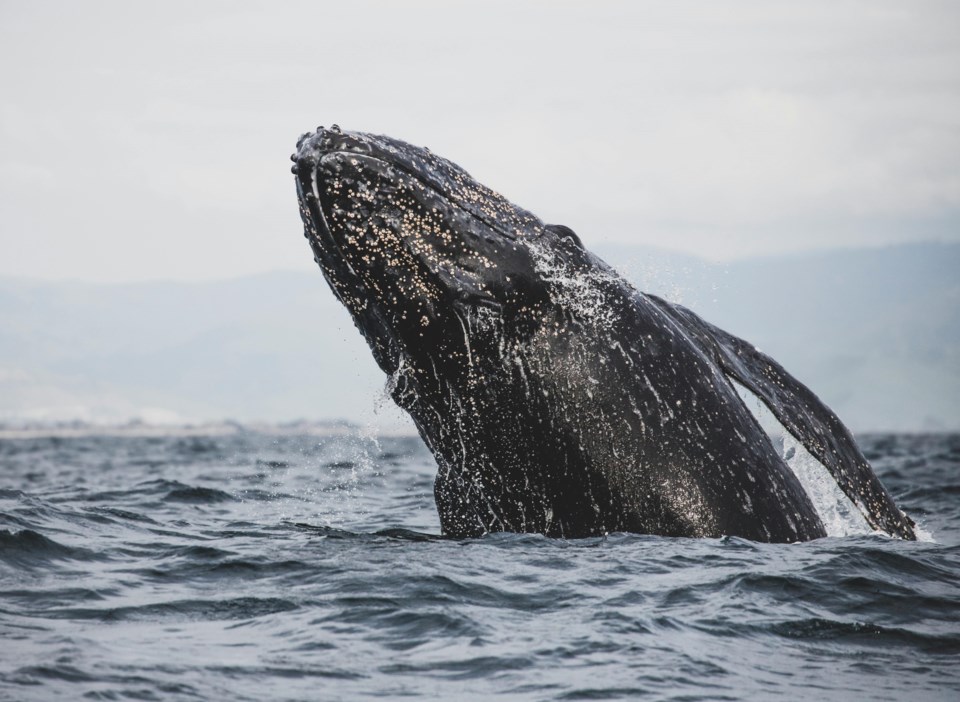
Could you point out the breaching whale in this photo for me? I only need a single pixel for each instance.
(555, 397)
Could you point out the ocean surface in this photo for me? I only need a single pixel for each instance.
(257, 566)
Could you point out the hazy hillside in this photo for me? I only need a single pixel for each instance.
(275, 346)
(876, 333)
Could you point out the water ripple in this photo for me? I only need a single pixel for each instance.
(255, 567)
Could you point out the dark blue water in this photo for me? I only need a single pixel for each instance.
(253, 567)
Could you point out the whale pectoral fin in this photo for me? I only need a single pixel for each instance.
(802, 413)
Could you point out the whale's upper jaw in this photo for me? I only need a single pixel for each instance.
(434, 172)
(405, 238)
(444, 177)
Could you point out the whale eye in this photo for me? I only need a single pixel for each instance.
(565, 232)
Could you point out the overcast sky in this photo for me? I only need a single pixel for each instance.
(142, 141)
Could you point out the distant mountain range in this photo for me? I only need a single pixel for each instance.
(874, 332)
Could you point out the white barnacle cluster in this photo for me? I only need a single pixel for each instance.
(488, 203)
(399, 243)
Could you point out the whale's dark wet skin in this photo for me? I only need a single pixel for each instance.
(555, 397)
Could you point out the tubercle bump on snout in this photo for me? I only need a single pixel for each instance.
(311, 147)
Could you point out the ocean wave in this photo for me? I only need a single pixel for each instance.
(245, 567)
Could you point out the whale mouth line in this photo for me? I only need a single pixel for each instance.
(324, 234)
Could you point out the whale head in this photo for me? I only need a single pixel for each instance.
(410, 243)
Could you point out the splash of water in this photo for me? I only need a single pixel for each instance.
(573, 288)
(839, 514)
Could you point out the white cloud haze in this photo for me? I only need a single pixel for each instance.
(146, 141)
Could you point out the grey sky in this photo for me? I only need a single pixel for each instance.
(150, 140)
